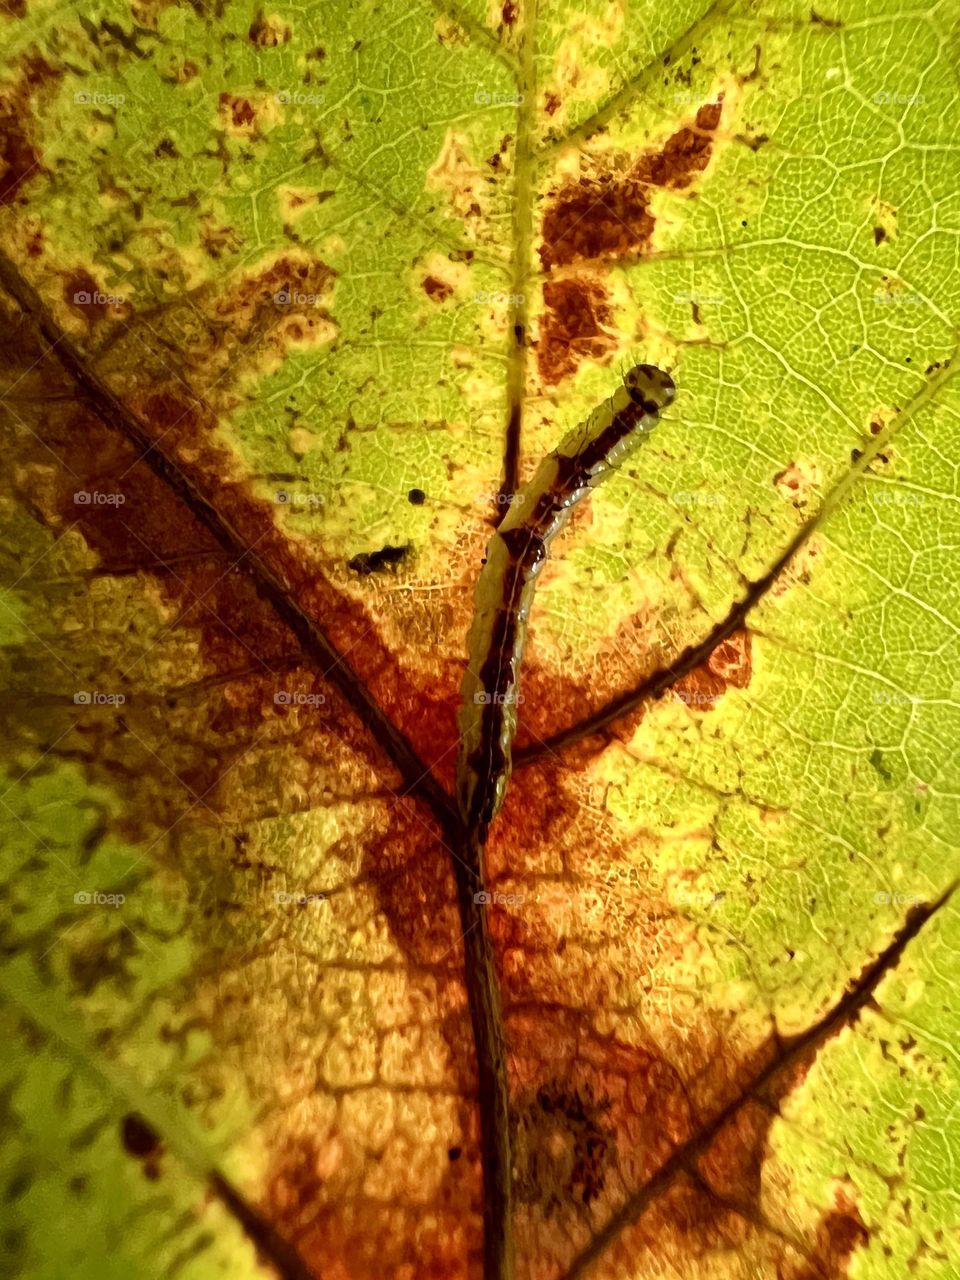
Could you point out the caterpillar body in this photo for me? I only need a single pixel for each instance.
(515, 556)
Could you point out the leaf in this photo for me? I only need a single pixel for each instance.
(294, 300)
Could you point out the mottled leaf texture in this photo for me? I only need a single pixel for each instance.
(294, 300)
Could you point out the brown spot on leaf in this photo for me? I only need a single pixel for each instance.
(729, 665)
(685, 153)
(240, 110)
(267, 32)
(575, 326)
(436, 289)
(820, 21)
(731, 660)
(841, 1232)
(141, 1141)
(607, 215)
(799, 481)
(19, 157)
(138, 1137)
(508, 13)
(596, 218)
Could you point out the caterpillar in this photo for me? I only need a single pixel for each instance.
(515, 555)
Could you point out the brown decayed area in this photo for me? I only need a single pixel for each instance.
(199, 736)
(20, 160)
(840, 1234)
(602, 217)
(607, 215)
(728, 666)
(437, 289)
(579, 328)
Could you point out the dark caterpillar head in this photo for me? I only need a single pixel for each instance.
(650, 387)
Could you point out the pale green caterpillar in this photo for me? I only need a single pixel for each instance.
(515, 555)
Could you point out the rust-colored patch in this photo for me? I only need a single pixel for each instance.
(685, 153)
(508, 13)
(361, 1237)
(603, 217)
(14, 8)
(574, 327)
(436, 289)
(20, 158)
(87, 299)
(799, 481)
(551, 104)
(240, 109)
(268, 31)
(607, 215)
(841, 1233)
(729, 665)
(731, 660)
(590, 1110)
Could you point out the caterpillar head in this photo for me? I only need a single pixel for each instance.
(649, 386)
